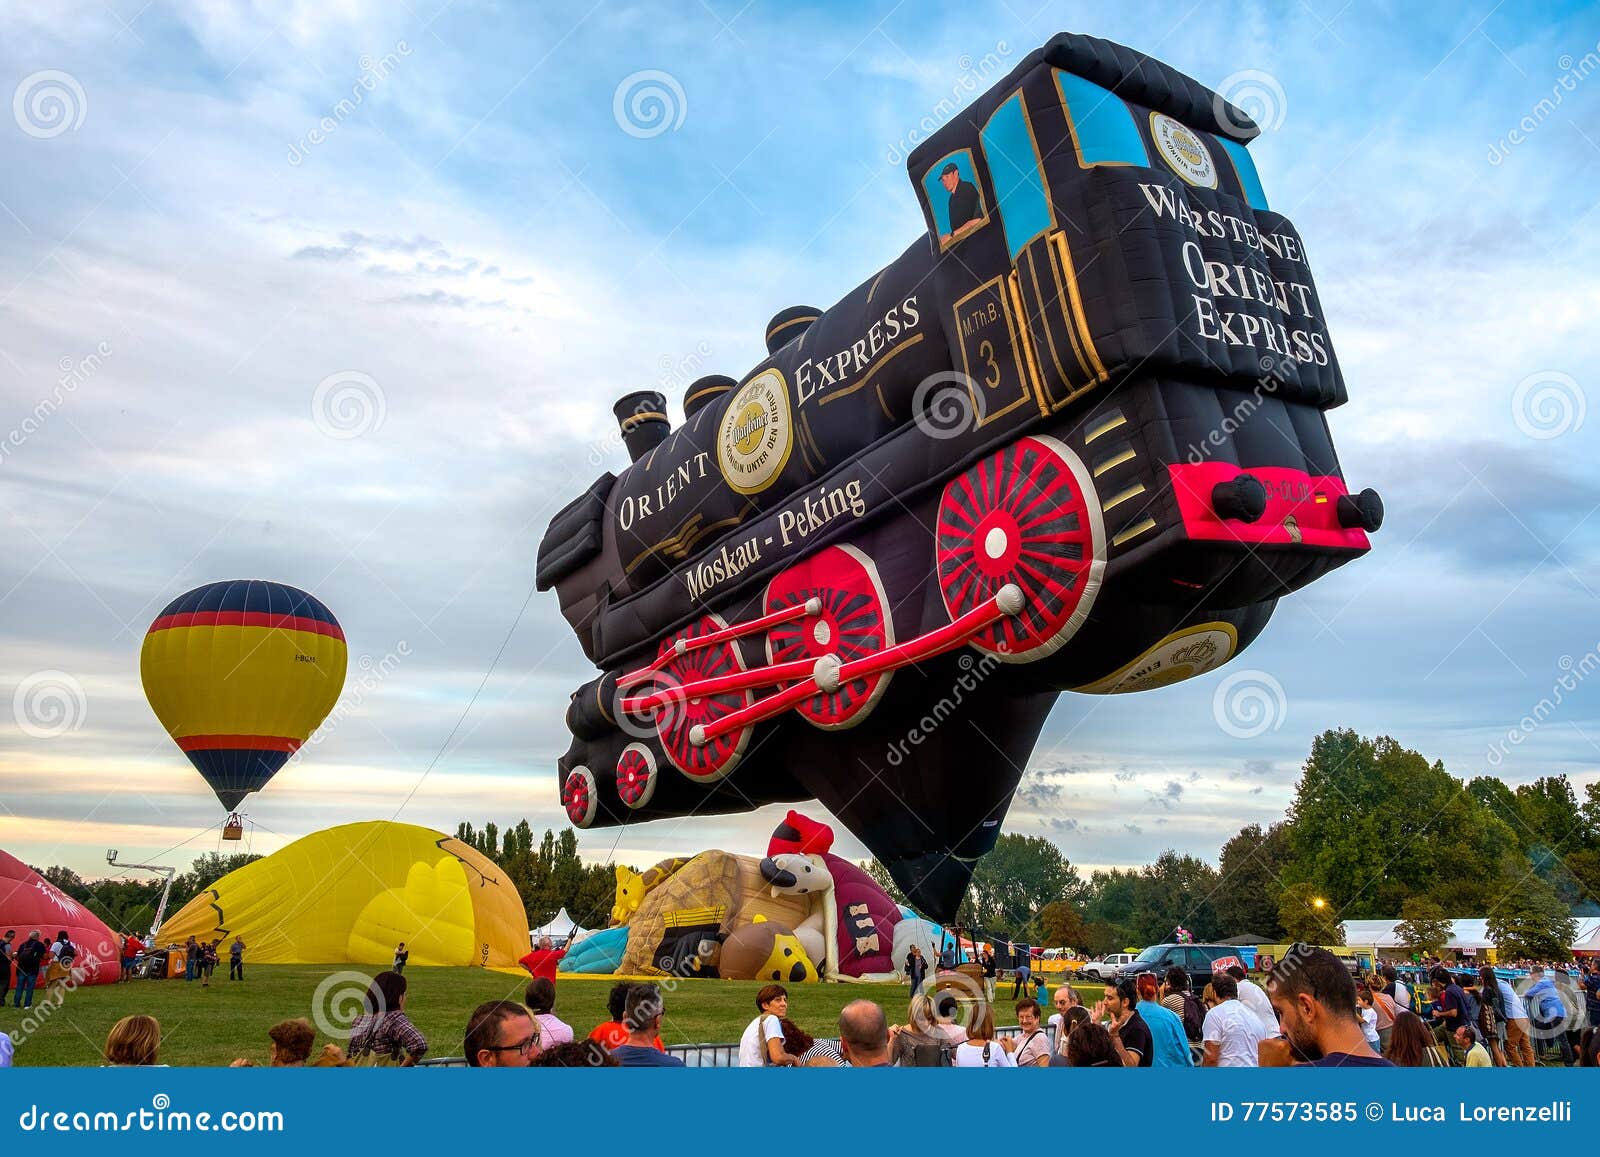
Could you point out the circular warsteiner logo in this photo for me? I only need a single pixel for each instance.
(757, 434)
(1185, 153)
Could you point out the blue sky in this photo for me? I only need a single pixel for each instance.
(484, 255)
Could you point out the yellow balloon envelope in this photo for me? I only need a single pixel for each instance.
(240, 674)
(348, 895)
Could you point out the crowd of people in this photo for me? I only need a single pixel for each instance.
(27, 964)
(1307, 1009)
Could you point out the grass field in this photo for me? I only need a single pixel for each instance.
(212, 1026)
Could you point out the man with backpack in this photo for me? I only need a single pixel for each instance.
(30, 959)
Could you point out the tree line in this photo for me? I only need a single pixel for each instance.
(1375, 831)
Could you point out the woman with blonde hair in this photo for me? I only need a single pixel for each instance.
(133, 1040)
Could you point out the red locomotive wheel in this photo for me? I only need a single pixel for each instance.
(1027, 515)
(675, 721)
(580, 796)
(853, 622)
(636, 775)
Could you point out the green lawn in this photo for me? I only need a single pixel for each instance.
(212, 1026)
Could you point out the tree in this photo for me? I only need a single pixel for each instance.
(1060, 924)
(1176, 890)
(1015, 880)
(1304, 915)
(1252, 868)
(1531, 921)
(1425, 928)
(1374, 823)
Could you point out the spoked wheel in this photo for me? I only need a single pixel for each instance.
(580, 796)
(636, 775)
(674, 722)
(853, 622)
(1027, 515)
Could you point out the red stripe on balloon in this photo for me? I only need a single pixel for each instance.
(247, 619)
(239, 743)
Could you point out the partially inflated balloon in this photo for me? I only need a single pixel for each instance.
(240, 674)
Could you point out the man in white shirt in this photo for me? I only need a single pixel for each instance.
(1232, 1033)
(1254, 999)
(1519, 1045)
(5, 1051)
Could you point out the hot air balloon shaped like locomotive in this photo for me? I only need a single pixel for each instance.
(1073, 438)
(240, 674)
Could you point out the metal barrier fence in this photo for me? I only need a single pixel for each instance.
(702, 1056)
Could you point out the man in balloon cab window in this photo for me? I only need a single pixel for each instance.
(966, 211)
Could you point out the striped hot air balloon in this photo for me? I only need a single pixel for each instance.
(240, 674)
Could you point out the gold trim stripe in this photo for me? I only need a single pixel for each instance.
(633, 420)
(1118, 499)
(690, 400)
(1060, 240)
(792, 321)
(1029, 354)
(1133, 531)
(1115, 460)
(1112, 421)
(867, 377)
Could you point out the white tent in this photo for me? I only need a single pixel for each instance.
(560, 929)
(1469, 937)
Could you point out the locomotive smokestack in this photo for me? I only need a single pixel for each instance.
(788, 324)
(705, 390)
(642, 418)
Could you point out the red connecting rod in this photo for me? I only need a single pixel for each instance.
(829, 677)
(811, 606)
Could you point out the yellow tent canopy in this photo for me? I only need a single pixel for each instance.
(349, 894)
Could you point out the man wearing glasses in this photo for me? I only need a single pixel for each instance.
(501, 1035)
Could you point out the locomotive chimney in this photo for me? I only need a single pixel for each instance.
(788, 324)
(642, 418)
(703, 391)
